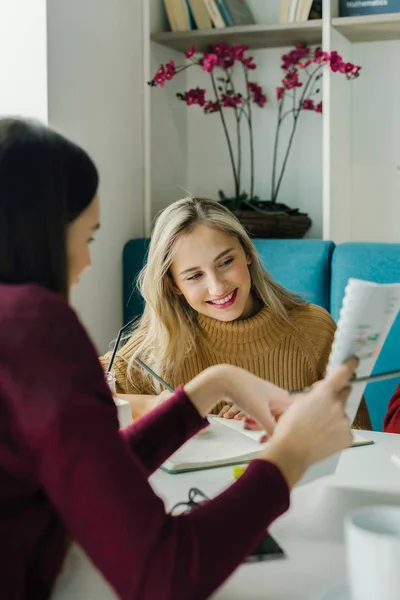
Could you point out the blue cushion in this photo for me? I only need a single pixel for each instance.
(302, 266)
(379, 263)
(133, 259)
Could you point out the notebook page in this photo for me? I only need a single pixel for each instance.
(366, 317)
(215, 445)
(239, 426)
(358, 440)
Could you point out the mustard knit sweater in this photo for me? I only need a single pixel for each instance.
(290, 353)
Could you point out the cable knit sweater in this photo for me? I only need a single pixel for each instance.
(290, 353)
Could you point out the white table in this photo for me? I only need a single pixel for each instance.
(310, 533)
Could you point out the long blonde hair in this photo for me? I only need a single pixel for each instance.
(167, 330)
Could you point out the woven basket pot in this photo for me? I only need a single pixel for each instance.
(289, 226)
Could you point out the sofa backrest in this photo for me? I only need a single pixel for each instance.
(379, 263)
(133, 259)
(301, 266)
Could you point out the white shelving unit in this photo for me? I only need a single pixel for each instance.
(343, 168)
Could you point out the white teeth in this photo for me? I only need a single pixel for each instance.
(224, 301)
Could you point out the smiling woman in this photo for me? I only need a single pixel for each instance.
(220, 285)
(209, 301)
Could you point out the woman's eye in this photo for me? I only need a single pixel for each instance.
(195, 276)
(226, 262)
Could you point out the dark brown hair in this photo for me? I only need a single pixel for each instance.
(46, 182)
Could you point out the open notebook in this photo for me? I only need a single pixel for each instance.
(224, 442)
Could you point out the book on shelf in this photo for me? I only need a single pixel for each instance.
(287, 11)
(303, 10)
(229, 13)
(200, 14)
(355, 8)
(237, 13)
(215, 14)
(293, 11)
(179, 15)
(224, 442)
(316, 10)
(284, 7)
(224, 12)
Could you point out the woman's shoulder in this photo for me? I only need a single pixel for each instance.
(34, 319)
(315, 324)
(315, 330)
(33, 306)
(313, 316)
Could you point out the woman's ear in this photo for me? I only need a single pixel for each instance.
(173, 286)
(249, 260)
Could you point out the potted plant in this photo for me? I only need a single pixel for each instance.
(298, 91)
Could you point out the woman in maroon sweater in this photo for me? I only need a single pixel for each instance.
(66, 471)
(391, 422)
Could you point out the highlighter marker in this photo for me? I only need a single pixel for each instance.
(238, 470)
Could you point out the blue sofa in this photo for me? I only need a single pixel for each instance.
(317, 270)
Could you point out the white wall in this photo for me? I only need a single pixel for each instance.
(376, 143)
(96, 97)
(23, 60)
(168, 131)
(365, 146)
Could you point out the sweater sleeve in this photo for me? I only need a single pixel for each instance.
(69, 436)
(391, 423)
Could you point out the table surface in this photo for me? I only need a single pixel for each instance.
(311, 532)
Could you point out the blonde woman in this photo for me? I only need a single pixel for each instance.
(209, 301)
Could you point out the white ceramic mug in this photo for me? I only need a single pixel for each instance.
(373, 553)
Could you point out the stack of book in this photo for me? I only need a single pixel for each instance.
(292, 11)
(184, 15)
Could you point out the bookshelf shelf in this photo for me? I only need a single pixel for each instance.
(253, 36)
(371, 28)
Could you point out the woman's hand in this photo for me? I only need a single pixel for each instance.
(314, 426)
(230, 411)
(254, 396)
